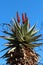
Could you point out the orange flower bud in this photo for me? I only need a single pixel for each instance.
(18, 18)
(26, 18)
(23, 18)
(25, 15)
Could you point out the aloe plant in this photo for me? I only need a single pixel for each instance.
(21, 41)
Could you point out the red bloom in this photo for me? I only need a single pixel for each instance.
(26, 18)
(23, 18)
(25, 15)
(18, 18)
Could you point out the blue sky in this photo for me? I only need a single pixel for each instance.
(33, 8)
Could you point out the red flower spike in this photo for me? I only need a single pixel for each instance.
(23, 18)
(18, 18)
(25, 15)
(26, 18)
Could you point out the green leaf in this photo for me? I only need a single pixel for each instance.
(16, 23)
(39, 39)
(30, 30)
(33, 45)
(5, 55)
(5, 49)
(7, 44)
(11, 50)
(18, 32)
(34, 32)
(19, 35)
(32, 39)
(24, 28)
(7, 38)
(11, 28)
(6, 32)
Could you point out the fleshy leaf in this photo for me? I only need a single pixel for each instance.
(18, 32)
(6, 32)
(7, 38)
(16, 23)
(32, 39)
(12, 50)
(8, 44)
(33, 45)
(24, 28)
(5, 49)
(34, 32)
(30, 30)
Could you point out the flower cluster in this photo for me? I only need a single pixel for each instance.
(24, 18)
(18, 17)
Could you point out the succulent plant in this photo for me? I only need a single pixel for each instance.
(21, 41)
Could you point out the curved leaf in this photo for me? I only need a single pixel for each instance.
(32, 39)
(6, 32)
(7, 38)
(33, 45)
(30, 30)
(5, 49)
(25, 27)
(34, 32)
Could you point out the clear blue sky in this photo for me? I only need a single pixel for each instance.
(33, 8)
